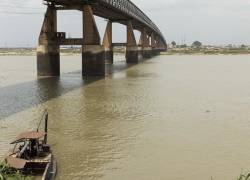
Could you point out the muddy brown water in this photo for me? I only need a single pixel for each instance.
(171, 117)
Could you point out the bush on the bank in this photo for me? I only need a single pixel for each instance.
(8, 173)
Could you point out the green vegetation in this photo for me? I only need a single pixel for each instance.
(244, 176)
(7, 173)
(197, 44)
(173, 43)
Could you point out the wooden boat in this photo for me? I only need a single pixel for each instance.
(32, 155)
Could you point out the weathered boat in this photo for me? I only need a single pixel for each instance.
(32, 155)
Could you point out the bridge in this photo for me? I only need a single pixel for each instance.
(94, 52)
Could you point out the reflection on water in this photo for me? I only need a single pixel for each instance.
(172, 117)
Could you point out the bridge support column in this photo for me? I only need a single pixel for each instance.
(154, 45)
(164, 46)
(146, 49)
(132, 53)
(160, 45)
(48, 55)
(93, 61)
(107, 43)
(157, 45)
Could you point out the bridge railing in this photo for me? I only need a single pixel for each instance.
(129, 8)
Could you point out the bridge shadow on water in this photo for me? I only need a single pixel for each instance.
(19, 97)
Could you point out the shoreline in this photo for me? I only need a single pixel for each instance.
(117, 53)
(32, 52)
(207, 52)
(170, 52)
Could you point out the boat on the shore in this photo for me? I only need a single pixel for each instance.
(31, 155)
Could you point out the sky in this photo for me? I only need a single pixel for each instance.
(214, 22)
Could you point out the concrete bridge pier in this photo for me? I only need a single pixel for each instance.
(145, 41)
(93, 59)
(132, 49)
(154, 45)
(48, 55)
(107, 44)
(157, 47)
(162, 46)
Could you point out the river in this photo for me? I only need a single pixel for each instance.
(170, 117)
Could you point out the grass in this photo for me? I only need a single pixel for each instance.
(8, 173)
(243, 176)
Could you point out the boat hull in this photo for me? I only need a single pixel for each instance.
(50, 170)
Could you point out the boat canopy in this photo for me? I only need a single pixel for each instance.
(28, 136)
(16, 162)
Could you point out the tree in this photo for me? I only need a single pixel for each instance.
(183, 46)
(243, 46)
(173, 43)
(197, 44)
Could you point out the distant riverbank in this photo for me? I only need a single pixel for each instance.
(77, 51)
(32, 51)
(236, 51)
(17, 51)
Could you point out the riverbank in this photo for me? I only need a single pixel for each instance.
(177, 51)
(32, 51)
(233, 51)
(17, 51)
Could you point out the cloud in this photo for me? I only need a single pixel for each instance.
(236, 6)
(211, 21)
(21, 7)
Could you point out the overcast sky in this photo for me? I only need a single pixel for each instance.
(217, 22)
